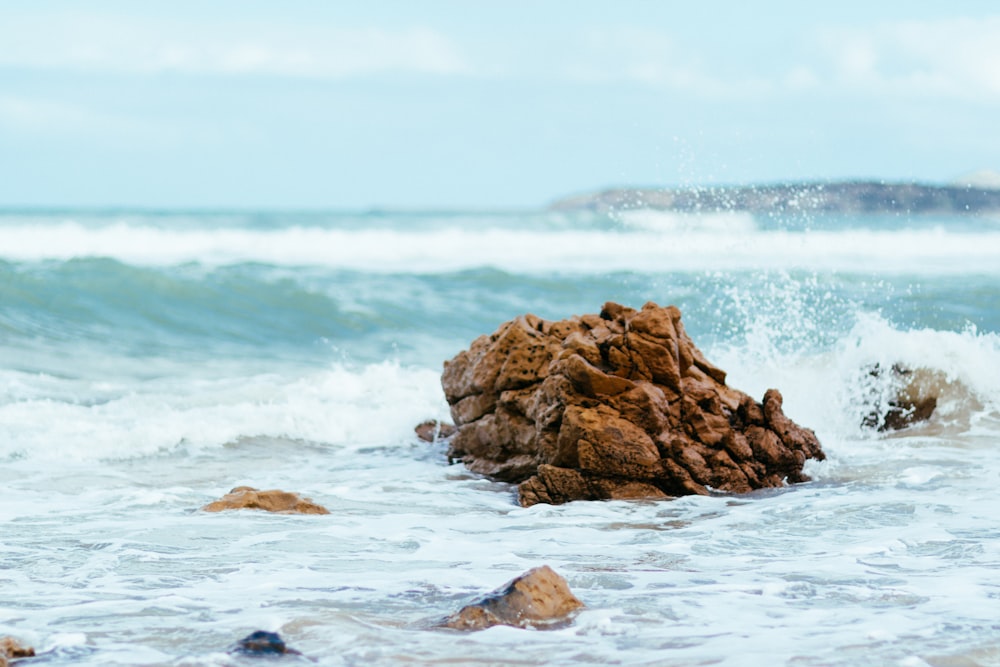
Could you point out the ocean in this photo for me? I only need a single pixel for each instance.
(150, 361)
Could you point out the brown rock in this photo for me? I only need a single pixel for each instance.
(902, 396)
(539, 598)
(11, 649)
(616, 405)
(432, 430)
(280, 502)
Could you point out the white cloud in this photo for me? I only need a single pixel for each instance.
(32, 114)
(128, 44)
(800, 77)
(32, 118)
(649, 57)
(949, 59)
(955, 57)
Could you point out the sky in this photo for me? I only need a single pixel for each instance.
(481, 104)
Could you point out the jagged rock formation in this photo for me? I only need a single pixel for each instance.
(538, 598)
(610, 406)
(281, 502)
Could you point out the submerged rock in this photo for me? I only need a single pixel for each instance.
(262, 642)
(432, 430)
(901, 397)
(611, 406)
(11, 649)
(539, 598)
(281, 502)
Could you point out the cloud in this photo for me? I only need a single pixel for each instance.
(953, 59)
(30, 119)
(648, 57)
(29, 114)
(957, 57)
(136, 45)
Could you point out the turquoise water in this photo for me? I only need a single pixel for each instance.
(150, 361)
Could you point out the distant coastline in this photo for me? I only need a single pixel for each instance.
(807, 197)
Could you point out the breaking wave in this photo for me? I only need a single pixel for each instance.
(650, 242)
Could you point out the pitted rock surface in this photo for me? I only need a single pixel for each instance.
(611, 406)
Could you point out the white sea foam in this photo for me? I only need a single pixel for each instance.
(888, 558)
(686, 247)
(833, 390)
(673, 222)
(48, 418)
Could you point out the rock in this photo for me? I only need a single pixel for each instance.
(611, 406)
(432, 430)
(902, 396)
(11, 649)
(281, 502)
(262, 642)
(539, 598)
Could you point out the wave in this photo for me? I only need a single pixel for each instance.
(101, 300)
(844, 391)
(45, 417)
(67, 311)
(653, 220)
(639, 247)
(73, 314)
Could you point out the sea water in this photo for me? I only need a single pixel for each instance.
(151, 361)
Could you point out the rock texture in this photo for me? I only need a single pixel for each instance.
(610, 406)
(11, 649)
(538, 598)
(281, 502)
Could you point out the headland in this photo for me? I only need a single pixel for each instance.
(850, 197)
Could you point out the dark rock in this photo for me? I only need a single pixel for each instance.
(433, 430)
(539, 598)
(262, 642)
(611, 406)
(280, 502)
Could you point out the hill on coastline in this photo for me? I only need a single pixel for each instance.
(829, 197)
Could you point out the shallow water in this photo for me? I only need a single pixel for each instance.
(151, 362)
